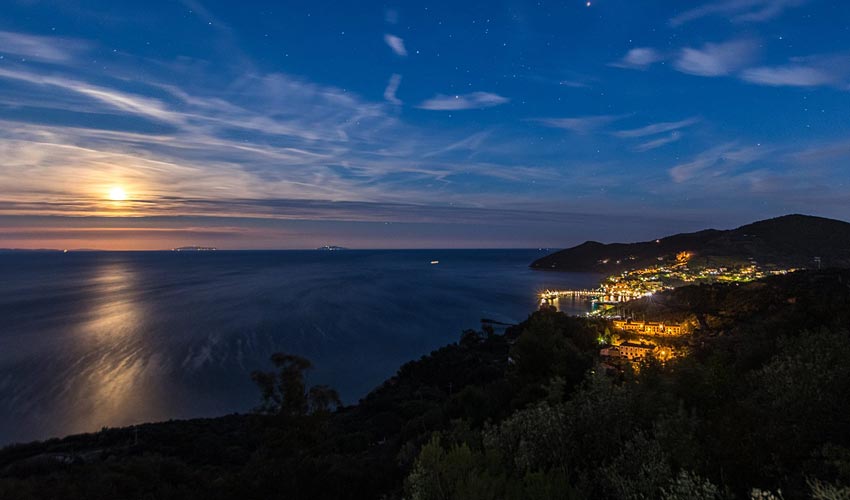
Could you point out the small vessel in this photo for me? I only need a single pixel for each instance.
(435, 262)
(194, 249)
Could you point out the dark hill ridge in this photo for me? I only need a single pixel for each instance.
(787, 241)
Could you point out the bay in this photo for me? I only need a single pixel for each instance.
(94, 339)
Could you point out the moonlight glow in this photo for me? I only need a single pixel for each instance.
(117, 194)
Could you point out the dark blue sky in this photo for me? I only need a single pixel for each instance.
(416, 124)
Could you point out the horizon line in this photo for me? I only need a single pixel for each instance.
(215, 249)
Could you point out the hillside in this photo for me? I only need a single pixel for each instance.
(795, 301)
(787, 241)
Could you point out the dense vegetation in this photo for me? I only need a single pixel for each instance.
(788, 241)
(761, 403)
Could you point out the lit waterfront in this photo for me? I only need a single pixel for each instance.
(592, 296)
(647, 281)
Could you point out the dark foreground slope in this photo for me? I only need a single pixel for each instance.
(760, 402)
(363, 451)
(788, 241)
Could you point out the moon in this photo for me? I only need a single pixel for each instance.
(117, 194)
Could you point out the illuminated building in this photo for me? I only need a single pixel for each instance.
(648, 328)
(634, 350)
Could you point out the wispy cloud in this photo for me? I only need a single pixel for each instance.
(833, 152)
(474, 100)
(574, 84)
(738, 11)
(717, 59)
(396, 44)
(392, 88)
(791, 75)
(202, 175)
(473, 143)
(639, 58)
(41, 48)
(116, 100)
(656, 128)
(811, 71)
(736, 57)
(261, 137)
(307, 147)
(717, 161)
(580, 124)
(657, 143)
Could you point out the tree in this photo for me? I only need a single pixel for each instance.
(285, 392)
(322, 399)
(551, 345)
(690, 486)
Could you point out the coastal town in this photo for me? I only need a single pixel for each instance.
(669, 273)
(680, 271)
(633, 340)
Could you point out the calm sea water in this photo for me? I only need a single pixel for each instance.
(89, 340)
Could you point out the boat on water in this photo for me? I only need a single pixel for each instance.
(194, 248)
(435, 262)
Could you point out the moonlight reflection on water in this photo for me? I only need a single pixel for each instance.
(111, 339)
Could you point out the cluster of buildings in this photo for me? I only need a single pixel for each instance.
(649, 280)
(646, 281)
(628, 350)
(635, 351)
(650, 327)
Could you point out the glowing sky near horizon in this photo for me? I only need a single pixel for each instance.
(259, 124)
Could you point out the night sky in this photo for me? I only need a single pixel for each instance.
(149, 125)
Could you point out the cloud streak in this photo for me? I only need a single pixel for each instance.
(474, 100)
(580, 124)
(392, 88)
(791, 75)
(639, 58)
(738, 11)
(717, 59)
(656, 128)
(737, 58)
(396, 44)
(657, 143)
(202, 151)
(115, 100)
(812, 71)
(717, 162)
(41, 48)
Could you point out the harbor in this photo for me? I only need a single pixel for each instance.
(594, 296)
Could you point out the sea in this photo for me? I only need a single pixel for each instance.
(107, 339)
